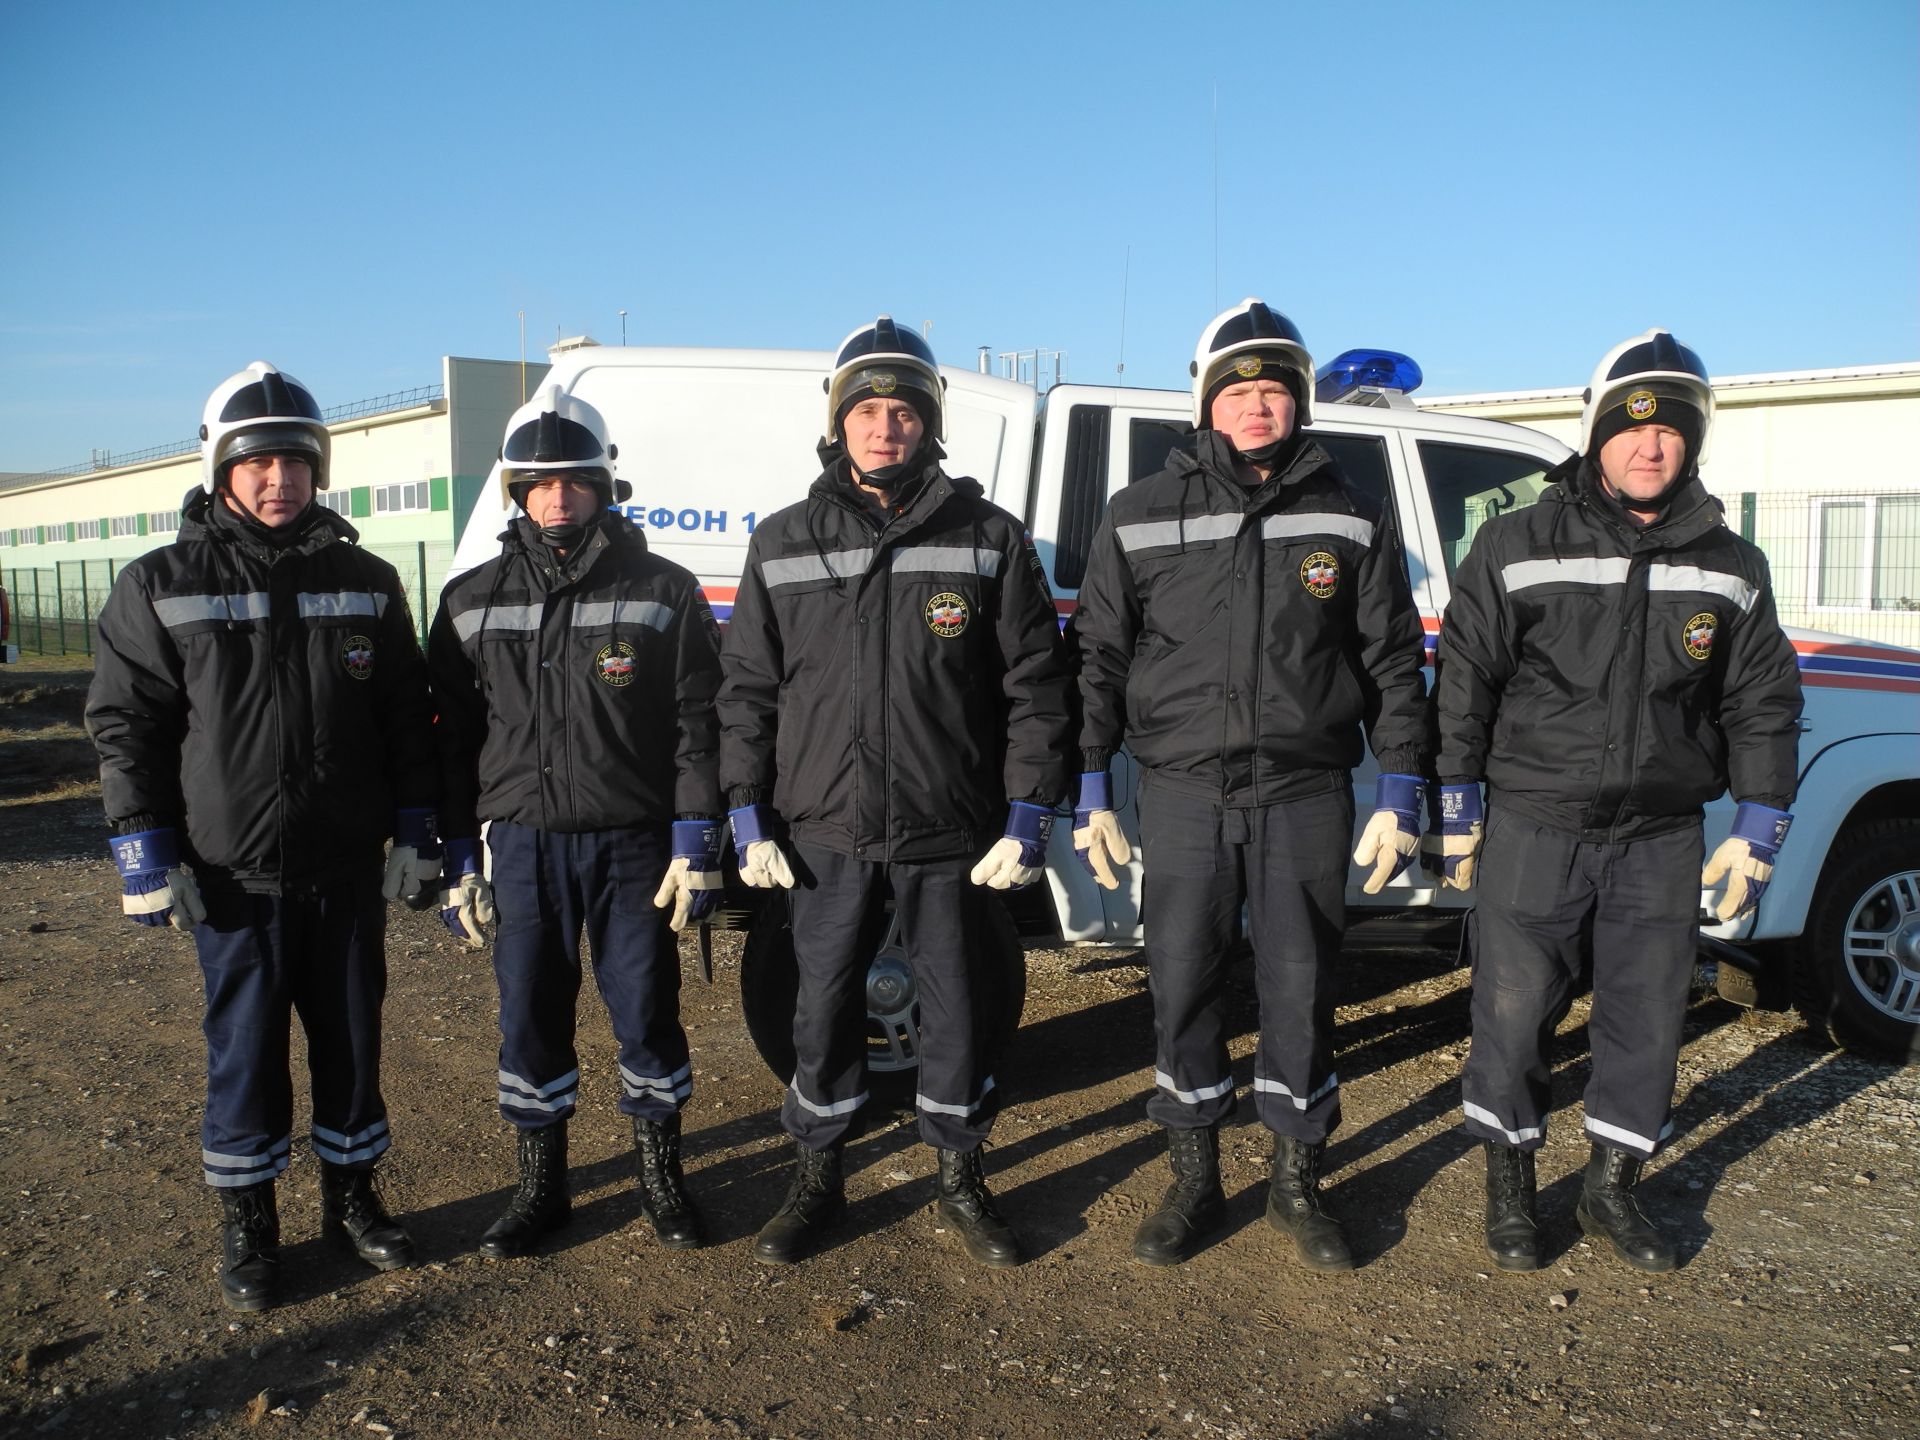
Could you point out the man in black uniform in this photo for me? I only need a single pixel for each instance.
(1245, 612)
(1609, 661)
(896, 694)
(260, 709)
(575, 676)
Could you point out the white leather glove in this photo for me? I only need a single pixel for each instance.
(414, 862)
(1450, 851)
(1745, 858)
(1019, 857)
(179, 899)
(765, 867)
(466, 908)
(1097, 839)
(1392, 836)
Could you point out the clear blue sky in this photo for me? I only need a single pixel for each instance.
(353, 190)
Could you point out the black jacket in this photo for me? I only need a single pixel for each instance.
(575, 694)
(1607, 680)
(268, 699)
(1238, 639)
(893, 681)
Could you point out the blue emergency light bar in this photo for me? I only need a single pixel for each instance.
(1353, 370)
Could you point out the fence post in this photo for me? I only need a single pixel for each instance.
(86, 614)
(421, 620)
(60, 604)
(39, 616)
(1746, 514)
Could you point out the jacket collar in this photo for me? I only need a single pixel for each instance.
(1692, 513)
(209, 517)
(1212, 456)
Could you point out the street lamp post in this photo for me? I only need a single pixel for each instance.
(623, 327)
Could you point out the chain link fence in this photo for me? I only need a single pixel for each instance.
(56, 608)
(1845, 562)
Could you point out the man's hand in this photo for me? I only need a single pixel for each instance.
(1451, 849)
(1393, 833)
(466, 900)
(692, 883)
(761, 863)
(154, 890)
(1745, 858)
(414, 862)
(1097, 840)
(1019, 857)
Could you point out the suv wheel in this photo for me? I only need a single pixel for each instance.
(1858, 976)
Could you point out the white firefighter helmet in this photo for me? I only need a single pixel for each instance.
(261, 410)
(1649, 377)
(883, 359)
(1244, 343)
(556, 431)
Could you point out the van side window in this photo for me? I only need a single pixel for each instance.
(1470, 486)
(1083, 492)
(1149, 442)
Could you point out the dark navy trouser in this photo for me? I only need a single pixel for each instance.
(264, 957)
(1288, 863)
(1546, 903)
(938, 910)
(550, 885)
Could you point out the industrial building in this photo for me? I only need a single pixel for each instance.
(1815, 466)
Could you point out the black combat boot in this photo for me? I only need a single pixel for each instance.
(250, 1247)
(1513, 1229)
(1293, 1205)
(1194, 1204)
(967, 1205)
(1608, 1207)
(351, 1207)
(541, 1202)
(815, 1201)
(663, 1189)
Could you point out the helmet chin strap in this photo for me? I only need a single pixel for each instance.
(563, 536)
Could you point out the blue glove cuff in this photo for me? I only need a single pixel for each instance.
(1401, 794)
(415, 828)
(1761, 826)
(697, 840)
(1028, 823)
(463, 858)
(146, 851)
(1096, 792)
(751, 823)
(1460, 806)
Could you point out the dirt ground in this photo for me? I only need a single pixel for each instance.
(1792, 1183)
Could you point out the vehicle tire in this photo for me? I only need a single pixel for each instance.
(1858, 976)
(770, 984)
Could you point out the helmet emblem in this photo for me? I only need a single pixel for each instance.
(947, 615)
(614, 664)
(1320, 573)
(1698, 634)
(1641, 405)
(356, 657)
(884, 382)
(1247, 366)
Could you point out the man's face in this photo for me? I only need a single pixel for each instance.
(562, 499)
(881, 432)
(1254, 413)
(273, 489)
(1641, 463)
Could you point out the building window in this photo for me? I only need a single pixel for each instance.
(1867, 552)
(86, 530)
(124, 525)
(395, 499)
(160, 522)
(334, 500)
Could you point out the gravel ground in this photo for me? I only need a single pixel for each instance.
(1792, 1185)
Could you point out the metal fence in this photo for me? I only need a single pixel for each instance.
(56, 608)
(1842, 561)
